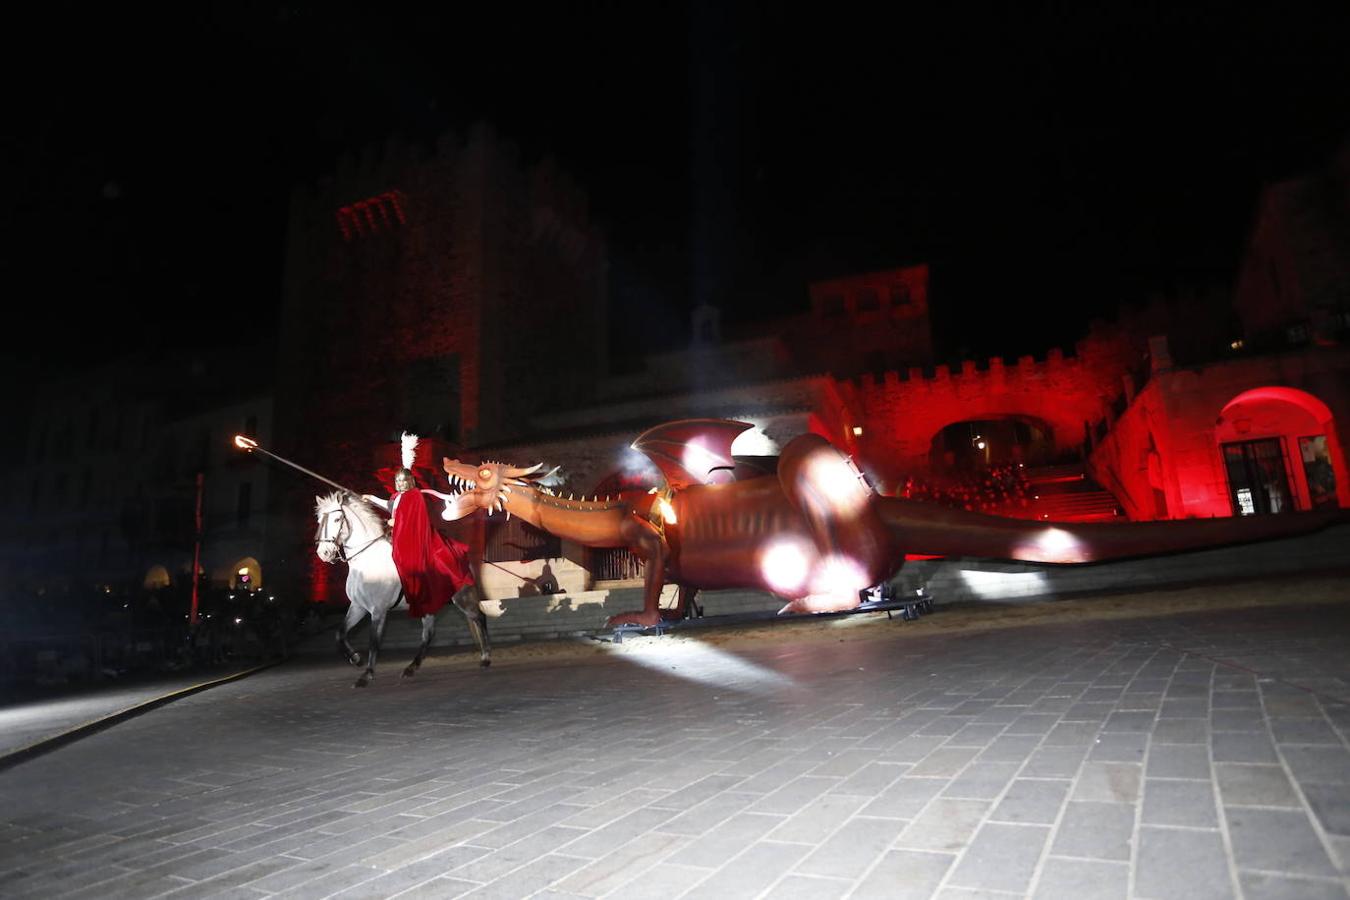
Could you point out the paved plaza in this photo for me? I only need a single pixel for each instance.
(1192, 755)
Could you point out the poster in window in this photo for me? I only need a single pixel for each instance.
(1317, 466)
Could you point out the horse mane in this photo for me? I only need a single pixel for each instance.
(368, 514)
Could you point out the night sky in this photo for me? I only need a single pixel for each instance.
(1049, 163)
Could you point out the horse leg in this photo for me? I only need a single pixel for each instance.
(354, 614)
(376, 633)
(470, 602)
(428, 632)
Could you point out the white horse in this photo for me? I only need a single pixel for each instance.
(353, 531)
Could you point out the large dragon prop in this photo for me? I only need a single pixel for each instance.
(806, 525)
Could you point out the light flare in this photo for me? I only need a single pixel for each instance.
(785, 565)
(244, 443)
(693, 660)
(667, 511)
(841, 577)
(835, 483)
(1053, 545)
(1004, 585)
(699, 460)
(754, 442)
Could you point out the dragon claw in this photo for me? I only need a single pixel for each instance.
(644, 618)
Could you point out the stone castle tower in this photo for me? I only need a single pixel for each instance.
(451, 293)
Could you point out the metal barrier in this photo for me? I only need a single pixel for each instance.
(614, 564)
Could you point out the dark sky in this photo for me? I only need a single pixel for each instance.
(1049, 162)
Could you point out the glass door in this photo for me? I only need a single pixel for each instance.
(1257, 481)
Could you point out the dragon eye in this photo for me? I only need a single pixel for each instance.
(484, 474)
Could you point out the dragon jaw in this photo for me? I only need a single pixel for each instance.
(489, 484)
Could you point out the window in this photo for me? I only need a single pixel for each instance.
(900, 295)
(1318, 470)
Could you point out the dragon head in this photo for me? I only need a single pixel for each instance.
(486, 485)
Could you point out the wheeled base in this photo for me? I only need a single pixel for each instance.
(909, 608)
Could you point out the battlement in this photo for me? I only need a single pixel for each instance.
(388, 177)
(996, 368)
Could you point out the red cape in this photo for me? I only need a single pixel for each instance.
(432, 566)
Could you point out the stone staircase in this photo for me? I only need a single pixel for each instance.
(1066, 494)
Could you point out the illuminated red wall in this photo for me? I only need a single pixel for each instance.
(1170, 439)
(901, 416)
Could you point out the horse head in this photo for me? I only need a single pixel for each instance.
(332, 521)
(487, 485)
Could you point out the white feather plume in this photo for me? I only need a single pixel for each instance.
(409, 442)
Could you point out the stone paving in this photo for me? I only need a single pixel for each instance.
(1189, 756)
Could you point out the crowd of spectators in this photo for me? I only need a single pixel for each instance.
(998, 490)
(67, 635)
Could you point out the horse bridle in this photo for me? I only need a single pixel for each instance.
(340, 542)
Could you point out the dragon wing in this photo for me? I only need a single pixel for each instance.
(689, 450)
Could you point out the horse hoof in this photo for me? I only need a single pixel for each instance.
(484, 663)
(409, 672)
(361, 682)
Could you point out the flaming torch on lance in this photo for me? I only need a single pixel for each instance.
(251, 446)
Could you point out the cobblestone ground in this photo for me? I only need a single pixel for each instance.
(1191, 756)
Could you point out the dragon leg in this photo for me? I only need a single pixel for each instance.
(647, 543)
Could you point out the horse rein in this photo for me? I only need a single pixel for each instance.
(339, 542)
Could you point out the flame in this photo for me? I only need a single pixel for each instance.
(244, 443)
(667, 511)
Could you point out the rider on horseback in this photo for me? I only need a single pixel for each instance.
(432, 567)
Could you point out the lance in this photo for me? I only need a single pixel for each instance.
(251, 446)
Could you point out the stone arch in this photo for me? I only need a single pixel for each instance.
(1007, 437)
(1256, 424)
(156, 577)
(246, 574)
